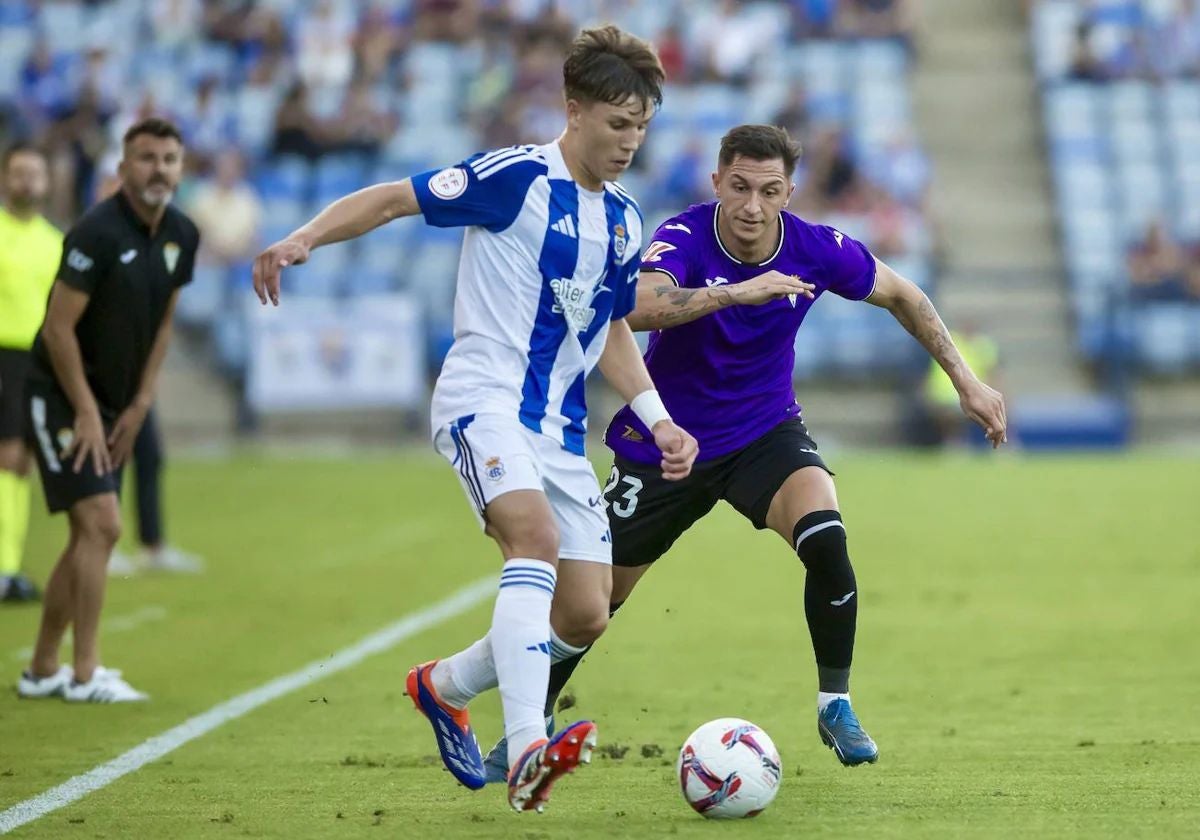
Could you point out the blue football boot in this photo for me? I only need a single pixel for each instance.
(451, 727)
(842, 733)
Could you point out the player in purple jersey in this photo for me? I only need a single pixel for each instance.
(725, 286)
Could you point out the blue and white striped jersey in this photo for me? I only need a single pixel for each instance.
(545, 266)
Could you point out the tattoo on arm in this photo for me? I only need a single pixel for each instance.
(684, 305)
(925, 326)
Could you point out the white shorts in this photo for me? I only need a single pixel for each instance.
(494, 455)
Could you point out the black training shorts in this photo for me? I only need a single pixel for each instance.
(14, 370)
(647, 513)
(50, 429)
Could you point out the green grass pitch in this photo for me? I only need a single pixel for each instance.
(1028, 660)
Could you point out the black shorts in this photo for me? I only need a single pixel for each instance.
(51, 426)
(14, 370)
(647, 513)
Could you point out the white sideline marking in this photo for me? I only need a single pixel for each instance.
(119, 624)
(155, 748)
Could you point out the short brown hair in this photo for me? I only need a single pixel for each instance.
(155, 127)
(21, 147)
(760, 142)
(608, 65)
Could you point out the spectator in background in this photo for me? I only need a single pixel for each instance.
(728, 38)
(363, 126)
(947, 427)
(673, 54)
(228, 213)
(833, 182)
(174, 22)
(686, 177)
(208, 125)
(1173, 38)
(325, 44)
(1193, 275)
(297, 131)
(877, 18)
(1085, 65)
(794, 114)
(813, 18)
(1158, 266)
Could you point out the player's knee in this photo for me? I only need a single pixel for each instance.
(584, 624)
(820, 541)
(99, 526)
(536, 539)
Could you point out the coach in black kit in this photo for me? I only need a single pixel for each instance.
(96, 360)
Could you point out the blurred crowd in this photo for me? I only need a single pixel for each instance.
(1161, 268)
(1147, 39)
(312, 78)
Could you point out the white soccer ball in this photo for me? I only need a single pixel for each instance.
(729, 768)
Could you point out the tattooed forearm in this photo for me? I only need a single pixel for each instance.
(672, 306)
(924, 324)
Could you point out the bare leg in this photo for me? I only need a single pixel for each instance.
(97, 525)
(58, 608)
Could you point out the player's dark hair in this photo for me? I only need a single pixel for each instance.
(760, 142)
(155, 127)
(21, 147)
(608, 65)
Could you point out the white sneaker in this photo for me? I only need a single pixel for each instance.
(37, 688)
(105, 686)
(121, 564)
(168, 558)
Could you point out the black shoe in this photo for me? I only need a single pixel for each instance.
(18, 589)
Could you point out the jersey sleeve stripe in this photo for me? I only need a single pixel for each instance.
(505, 163)
(490, 157)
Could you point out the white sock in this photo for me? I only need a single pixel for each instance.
(459, 678)
(520, 641)
(824, 698)
(560, 650)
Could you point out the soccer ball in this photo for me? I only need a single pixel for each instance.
(729, 768)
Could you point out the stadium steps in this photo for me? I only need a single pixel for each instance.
(195, 404)
(976, 101)
(1167, 411)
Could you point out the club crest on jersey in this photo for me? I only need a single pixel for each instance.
(620, 240)
(171, 256)
(655, 250)
(449, 183)
(792, 300)
(493, 468)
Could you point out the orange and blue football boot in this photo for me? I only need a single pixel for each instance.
(451, 727)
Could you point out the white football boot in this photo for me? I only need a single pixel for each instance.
(105, 686)
(30, 687)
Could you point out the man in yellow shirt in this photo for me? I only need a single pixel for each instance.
(940, 397)
(30, 250)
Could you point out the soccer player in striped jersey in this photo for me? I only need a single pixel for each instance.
(548, 273)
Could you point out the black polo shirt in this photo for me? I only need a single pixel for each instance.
(129, 276)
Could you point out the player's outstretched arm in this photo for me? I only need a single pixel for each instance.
(346, 218)
(623, 367)
(915, 312)
(661, 304)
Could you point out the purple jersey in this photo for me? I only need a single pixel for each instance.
(727, 376)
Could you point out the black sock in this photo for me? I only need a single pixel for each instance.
(830, 596)
(560, 672)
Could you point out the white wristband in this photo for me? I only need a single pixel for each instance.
(649, 408)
